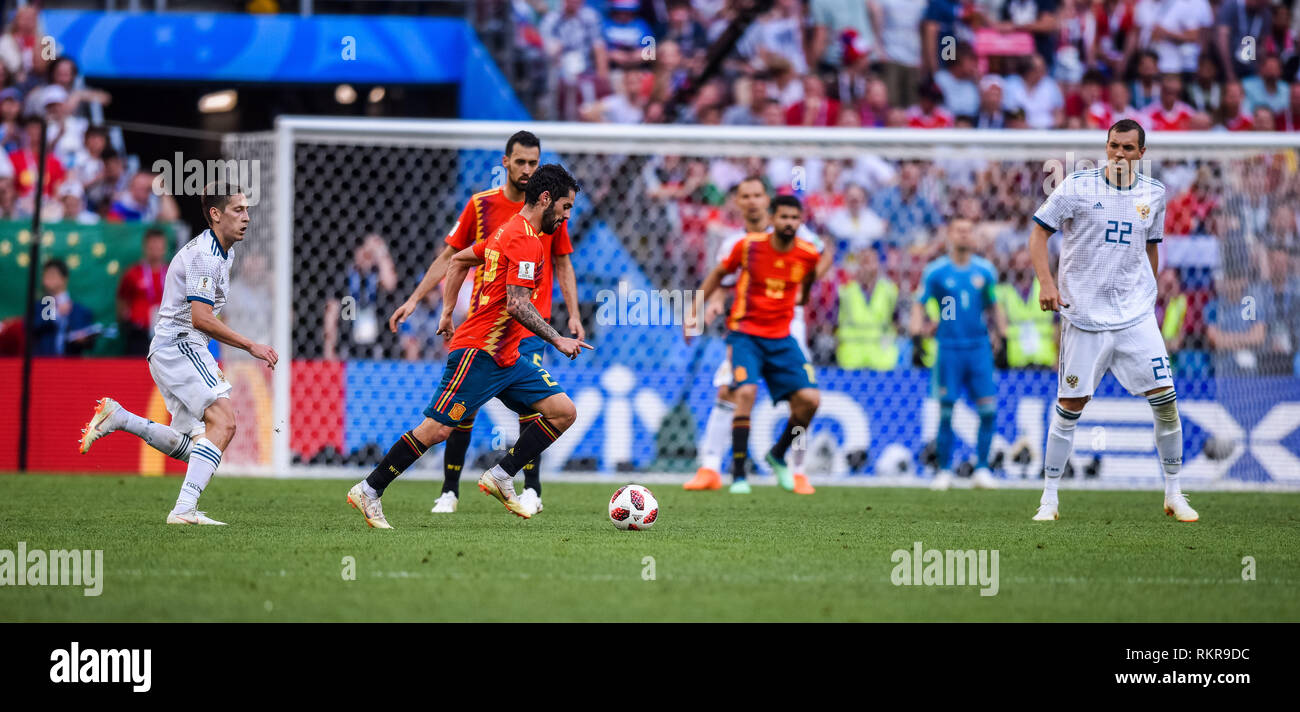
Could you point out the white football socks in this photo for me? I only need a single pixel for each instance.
(1060, 441)
(797, 453)
(204, 459)
(717, 435)
(168, 441)
(1169, 438)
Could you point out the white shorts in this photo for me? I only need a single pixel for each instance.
(798, 329)
(1136, 355)
(190, 381)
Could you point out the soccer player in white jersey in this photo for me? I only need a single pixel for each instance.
(753, 201)
(1111, 221)
(195, 391)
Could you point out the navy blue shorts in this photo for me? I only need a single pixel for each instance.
(956, 368)
(532, 349)
(780, 363)
(472, 378)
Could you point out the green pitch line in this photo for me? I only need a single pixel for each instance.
(769, 556)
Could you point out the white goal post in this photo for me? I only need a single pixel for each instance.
(652, 207)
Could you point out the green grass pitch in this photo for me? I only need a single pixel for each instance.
(771, 556)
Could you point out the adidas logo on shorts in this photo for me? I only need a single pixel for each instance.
(1098, 206)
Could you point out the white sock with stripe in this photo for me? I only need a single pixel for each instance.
(797, 453)
(204, 459)
(1169, 438)
(1060, 441)
(164, 439)
(717, 435)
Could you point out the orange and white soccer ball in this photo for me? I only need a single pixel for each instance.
(633, 507)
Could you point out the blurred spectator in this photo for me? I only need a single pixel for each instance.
(62, 327)
(943, 19)
(778, 33)
(815, 109)
(20, 47)
(961, 94)
(625, 34)
(911, 218)
(685, 31)
(1263, 119)
(65, 132)
(898, 25)
(140, 293)
(1037, 17)
(867, 319)
(1171, 309)
(1175, 30)
(1031, 332)
(371, 294)
(1077, 45)
(928, 113)
(874, 106)
(88, 164)
(141, 203)
(1103, 115)
(750, 96)
(842, 37)
(1237, 20)
(1205, 93)
(1290, 119)
(574, 39)
(1078, 103)
(1267, 88)
(1170, 113)
(8, 194)
(26, 161)
(1232, 110)
(855, 227)
(113, 179)
(1037, 95)
(1236, 323)
(669, 72)
(63, 73)
(70, 205)
(1146, 87)
(11, 130)
(990, 114)
(1188, 212)
(626, 105)
(1284, 312)
(251, 289)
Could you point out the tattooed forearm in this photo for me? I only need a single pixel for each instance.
(519, 304)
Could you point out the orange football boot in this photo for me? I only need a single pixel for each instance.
(801, 485)
(704, 479)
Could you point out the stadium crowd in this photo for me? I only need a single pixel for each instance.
(991, 64)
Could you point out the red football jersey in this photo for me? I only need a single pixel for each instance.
(769, 284)
(512, 255)
(480, 218)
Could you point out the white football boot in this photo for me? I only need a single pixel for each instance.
(503, 488)
(101, 423)
(445, 503)
(1047, 513)
(1179, 509)
(983, 479)
(369, 507)
(193, 517)
(530, 501)
(941, 481)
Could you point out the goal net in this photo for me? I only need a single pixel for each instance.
(352, 211)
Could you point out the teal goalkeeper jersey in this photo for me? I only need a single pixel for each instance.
(963, 294)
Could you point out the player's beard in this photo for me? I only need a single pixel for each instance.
(550, 221)
(786, 237)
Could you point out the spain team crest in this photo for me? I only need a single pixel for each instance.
(1144, 210)
(456, 411)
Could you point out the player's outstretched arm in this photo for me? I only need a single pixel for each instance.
(432, 276)
(1049, 299)
(519, 304)
(207, 322)
(692, 324)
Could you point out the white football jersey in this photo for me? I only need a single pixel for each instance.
(200, 271)
(1104, 273)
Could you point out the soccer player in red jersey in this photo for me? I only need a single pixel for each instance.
(776, 272)
(482, 215)
(484, 361)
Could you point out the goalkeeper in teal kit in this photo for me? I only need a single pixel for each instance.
(963, 285)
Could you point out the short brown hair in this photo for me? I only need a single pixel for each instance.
(217, 194)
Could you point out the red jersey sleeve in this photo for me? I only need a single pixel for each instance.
(732, 261)
(562, 245)
(462, 233)
(479, 249)
(523, 265)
